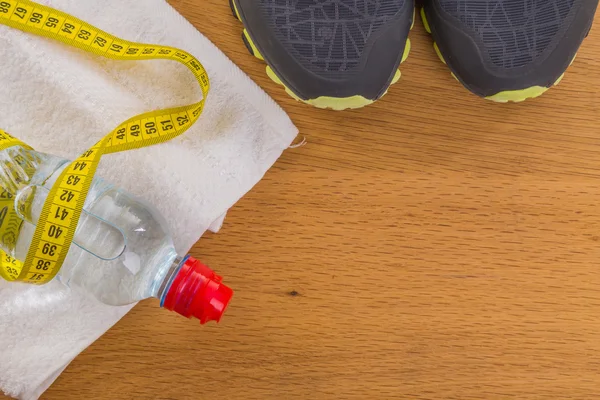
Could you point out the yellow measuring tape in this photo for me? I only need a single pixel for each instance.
(62, 209)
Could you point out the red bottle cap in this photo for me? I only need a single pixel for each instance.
(197, 291)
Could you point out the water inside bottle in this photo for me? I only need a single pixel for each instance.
(110, 242)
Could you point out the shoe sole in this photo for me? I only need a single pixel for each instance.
(324, 102)
(515, 96)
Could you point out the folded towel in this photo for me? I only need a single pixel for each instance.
(61, 100)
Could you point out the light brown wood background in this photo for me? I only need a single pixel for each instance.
(432, 246)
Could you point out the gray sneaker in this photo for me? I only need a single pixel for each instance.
(508, 50)
(335, 54)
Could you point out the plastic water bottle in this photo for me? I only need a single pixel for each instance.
(122, 251)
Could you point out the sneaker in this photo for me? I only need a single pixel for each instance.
(508, 50)
(335, 54)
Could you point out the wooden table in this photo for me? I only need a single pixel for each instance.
(431, 246)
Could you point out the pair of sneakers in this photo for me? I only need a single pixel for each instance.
(343, 54)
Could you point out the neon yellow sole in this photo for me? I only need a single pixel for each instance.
(324, 102)
(518, 96)
(515, 96)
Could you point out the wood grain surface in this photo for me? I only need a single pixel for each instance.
(431, 246)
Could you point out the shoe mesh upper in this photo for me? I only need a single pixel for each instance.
(514, 32)
(328, 36)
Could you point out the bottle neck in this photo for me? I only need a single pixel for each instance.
(174, 268)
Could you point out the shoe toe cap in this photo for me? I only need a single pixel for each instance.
(511, 49)
(316, 56)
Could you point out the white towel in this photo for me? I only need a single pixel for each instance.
(61, 100)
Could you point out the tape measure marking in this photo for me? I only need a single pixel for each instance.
(62, 209)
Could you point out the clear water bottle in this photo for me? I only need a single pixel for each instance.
(122, 251)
